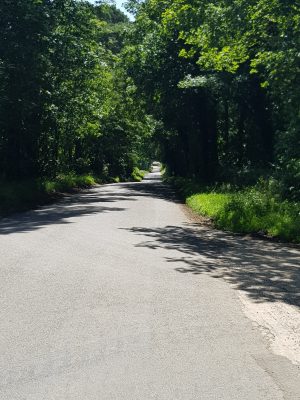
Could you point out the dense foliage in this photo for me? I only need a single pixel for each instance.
(209, 87)
(66, 104)
(223, 79)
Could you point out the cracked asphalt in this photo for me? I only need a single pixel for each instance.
(115, 294)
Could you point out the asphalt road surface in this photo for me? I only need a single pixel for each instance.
(115, 294)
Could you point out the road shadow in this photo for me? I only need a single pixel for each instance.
(62, 212)
(87, 202)
(152, 186)
(265, 271)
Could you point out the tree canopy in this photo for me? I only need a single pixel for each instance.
(210, 87)
(223, 78)
(66, 103)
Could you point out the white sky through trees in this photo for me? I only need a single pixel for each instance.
(119, 4)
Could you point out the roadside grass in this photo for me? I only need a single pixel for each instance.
(68, 182)
(27, 194)
(20, 196)
(208, 204)
(255, 209)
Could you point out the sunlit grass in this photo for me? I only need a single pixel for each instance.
(250, 210)
(208, 204)
(138, 175)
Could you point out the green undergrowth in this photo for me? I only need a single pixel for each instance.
(27, 194)
(256, 209)
(68, 182)
(20, 196)
(138, 174)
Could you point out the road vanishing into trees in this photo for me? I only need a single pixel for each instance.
(117, 294)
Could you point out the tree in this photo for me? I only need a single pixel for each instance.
(221, 76)
(62, 105)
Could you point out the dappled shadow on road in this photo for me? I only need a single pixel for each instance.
(152, 186)
(265, 271)
(87, 202)
(62, 212)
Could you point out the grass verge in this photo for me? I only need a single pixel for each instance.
(253, 210)
(24, 195)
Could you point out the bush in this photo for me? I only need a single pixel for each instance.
(138, 175)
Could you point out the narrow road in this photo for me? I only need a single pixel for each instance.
(116, 294)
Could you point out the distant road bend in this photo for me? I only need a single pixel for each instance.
(116, 294)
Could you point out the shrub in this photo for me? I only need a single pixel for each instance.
(138, 175)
